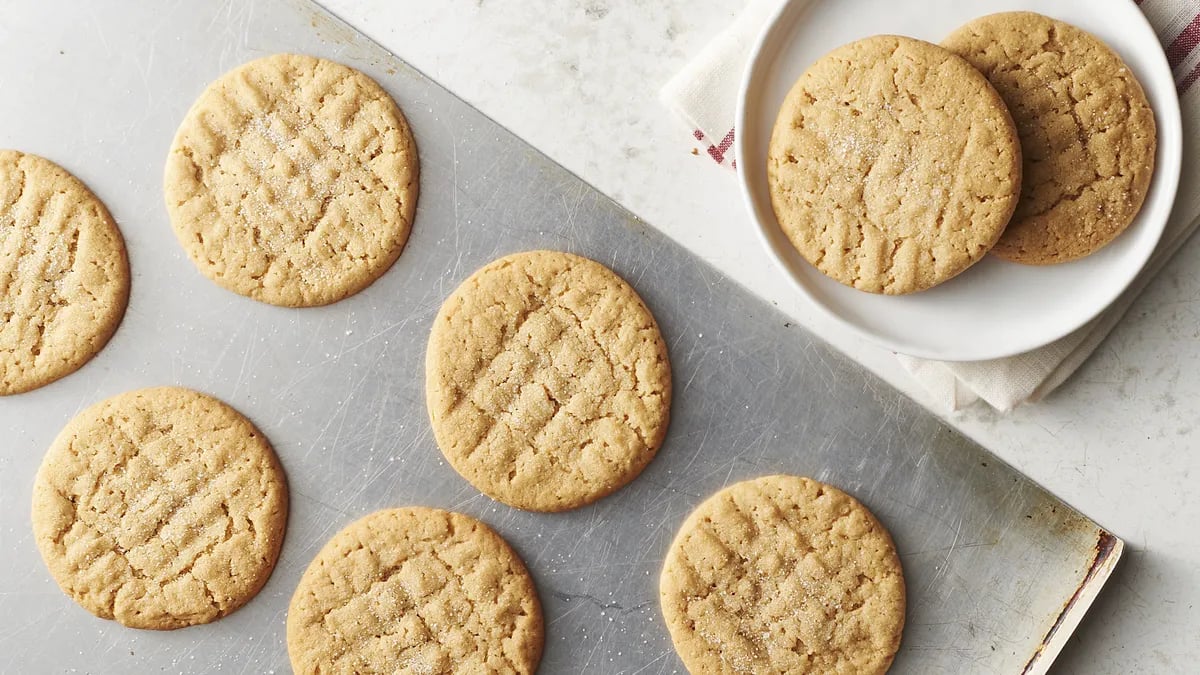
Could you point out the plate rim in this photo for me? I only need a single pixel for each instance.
(1170, 155)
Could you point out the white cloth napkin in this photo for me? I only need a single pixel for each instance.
(704, 96)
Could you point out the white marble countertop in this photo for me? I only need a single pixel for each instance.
(579, 79)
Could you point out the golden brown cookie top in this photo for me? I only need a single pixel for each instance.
(64, 277)
(1086, 128)
(160, 508)
(893, 165)
(419, 591)
(547, 381)
(293, 180)
(783, 574)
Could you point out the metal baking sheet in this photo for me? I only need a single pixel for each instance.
(999, 571)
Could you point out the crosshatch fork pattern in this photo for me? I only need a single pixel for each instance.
(293, 180)
(415, 590)
(548, 382)
(160, 508)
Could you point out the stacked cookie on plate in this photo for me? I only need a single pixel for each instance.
(896, 164)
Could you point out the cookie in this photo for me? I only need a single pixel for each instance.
(1086, 129)
(783, 574)
(547, 381)
(418, 591)
(893, 165)
(293, 180)
(160, 508)
(64, 277)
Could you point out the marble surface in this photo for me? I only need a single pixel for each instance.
(579, 79)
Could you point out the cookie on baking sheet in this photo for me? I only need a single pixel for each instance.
(419, 591)
(547, 381)
(160, 508)
(63, 273)
(783, 574)
(893, 165)
(293, 180)
(1087, 132)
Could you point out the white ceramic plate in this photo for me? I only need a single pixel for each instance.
(996, 308)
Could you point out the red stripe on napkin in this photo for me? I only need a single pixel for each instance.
(717, 152)
(1183, 45)
(1190, 79)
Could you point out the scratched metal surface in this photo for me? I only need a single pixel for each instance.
(990, 558)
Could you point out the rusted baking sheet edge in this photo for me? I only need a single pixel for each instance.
(1107, 554)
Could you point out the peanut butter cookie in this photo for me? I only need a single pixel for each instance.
(893, 165)
(418, 591)
(1086, 128)
(64, 277)
(160, 508)
(293, 180)
(783, 574)
(547, 381)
